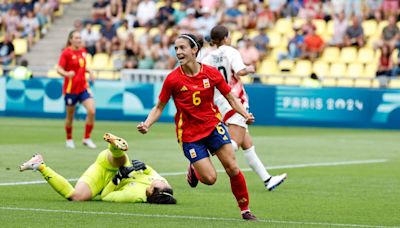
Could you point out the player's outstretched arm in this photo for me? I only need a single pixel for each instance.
(238, 107)
(153, 116)
(248, 70)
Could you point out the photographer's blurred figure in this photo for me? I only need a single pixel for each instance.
(21, 72)
(312, 82)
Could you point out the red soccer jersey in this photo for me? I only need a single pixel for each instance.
(196, 115)
(74, 60)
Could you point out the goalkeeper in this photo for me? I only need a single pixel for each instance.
(112, 176)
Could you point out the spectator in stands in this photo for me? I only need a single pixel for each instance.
(90, 39)
(313, 45)
(233, 17)
(163, 57)
(205, 23)
(249, 52)
(114, 12)
(165, 14)
(131, 11)
(30, 25)
(265, 18)
(292, 8)
(371, 7)
(390, 7)
(308, 26)
(179, 14)
(276, 7)
(146, 13)
(7, 54)
(22, 7)
(99, 11)
(295, 45)
(12, 23)
(108, 37)
(5, 6)
(250, 17)
(339, 30)
(261, 41)
(385, 64)
(78, 25)
(353, 8)
(21, 72)
(338, 5)
(354, 34)
(186, 25)
(308, 11)
(43, 13)
(390, 34)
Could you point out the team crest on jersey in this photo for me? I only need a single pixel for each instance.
(206, 83)
(184, 88)
(74, 57)
(192, 153)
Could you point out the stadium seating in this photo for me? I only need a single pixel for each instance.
(101, 61)
(286, 65)
(302, 68)
(321, 68)
(369, 27)
(354, 70)
(348, 55)
(337, 69)
(331, 54)
(365, 55)
(20, 46)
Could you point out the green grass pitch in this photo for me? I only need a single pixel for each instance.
(321, 189)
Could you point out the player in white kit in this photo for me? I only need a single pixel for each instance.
(229, 62)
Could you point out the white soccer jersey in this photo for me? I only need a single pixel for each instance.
(228, 61)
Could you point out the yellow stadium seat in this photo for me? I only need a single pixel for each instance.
(369, 27)
(331, 54)
(108, 75)
(154, 31)
(286, 65)
(268, 67)
(96, 28)
(275, 39)
(337, 70)
(348, 55)
(298, 21)
(20, 46)
(320, 25)
(160, 4)
(242, 8)
(363, 82)
(381, 26)
(273, 80)
(370, 70)
(235, 36)
(88, 59)
(138, 32)
(276, 52)
(345, 82)
(394, 84)
(293, 81)
(329, 27)
(331, 82)
(395, 55)
(67, 1)
(53, 74)
(100, 61)
(60, 11)
(355, 70)
(320, 68)
(302, 68)
(283, 26)
(246, 79)
(176, 5)
(365, 55)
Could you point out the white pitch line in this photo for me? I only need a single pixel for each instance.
(221, 171)
(192, 217)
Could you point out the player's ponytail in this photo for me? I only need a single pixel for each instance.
(162, 196)
(70, 37)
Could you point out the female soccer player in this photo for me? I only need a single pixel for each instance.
(72, 66)
(198, 125)
(112, 175)
(229, 62)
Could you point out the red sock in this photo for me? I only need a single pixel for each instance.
(68, 130)
(239, 189)
(88, 130)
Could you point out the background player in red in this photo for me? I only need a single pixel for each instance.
(198, 123)
(72, 66)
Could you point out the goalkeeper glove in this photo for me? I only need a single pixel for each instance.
(138, 165)
(123, 172)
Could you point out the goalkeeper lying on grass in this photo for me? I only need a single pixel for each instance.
(112, 175)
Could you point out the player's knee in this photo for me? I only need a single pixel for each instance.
(91, 111)
(209, 179)
(80, 197)
(232, 170)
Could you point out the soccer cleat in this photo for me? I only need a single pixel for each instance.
(32, 164)
(249, 216)
(191, 177)
(70, 144)
(275, 181)
(89, 143)
(116, 141)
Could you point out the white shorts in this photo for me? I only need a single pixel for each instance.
(238, 120)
